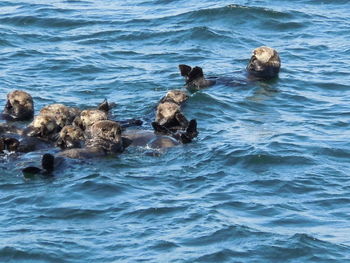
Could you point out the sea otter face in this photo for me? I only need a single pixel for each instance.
(43, 126)
(264, 63)
(62, 114)
(177, 96)
(108, 130)
(89, 117)
(19, 106)
(70, 137)
(166, 112)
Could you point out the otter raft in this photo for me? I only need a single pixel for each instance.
(174, 131)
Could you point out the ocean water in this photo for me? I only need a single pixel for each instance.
(267, 179)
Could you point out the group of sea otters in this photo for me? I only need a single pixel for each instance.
(93, 133)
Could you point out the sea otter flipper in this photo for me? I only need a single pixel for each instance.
(196, 72)
(106, 106)
(190, 133)
(192, 128)
(184, 70)
(48, 162)
(160, 128)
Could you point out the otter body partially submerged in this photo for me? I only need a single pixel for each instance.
(264, 64)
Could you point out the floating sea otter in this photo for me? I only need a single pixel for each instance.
(170, 126)
(171, 121)
(264, 64)
(105, 138)
(19, 106)
(51, 119)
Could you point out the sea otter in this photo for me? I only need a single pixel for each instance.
(105, 138)
(51, 119)
(265, 63)
(19, 106)
(88, 117)
(171, 121)
(168, 112)
(70, 137)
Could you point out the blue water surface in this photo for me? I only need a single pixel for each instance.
(267, 179)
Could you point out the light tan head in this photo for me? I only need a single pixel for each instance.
(70, 137)
(166, 111)
(265, 62)
(43, 126)
(19, 106)
(108, 130)
(88, 117)
(176, 95)
(61, 113)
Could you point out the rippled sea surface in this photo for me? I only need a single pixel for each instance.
(267, 179)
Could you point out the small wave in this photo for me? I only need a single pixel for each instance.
(11, 254)
(158, 211)
(28, 21)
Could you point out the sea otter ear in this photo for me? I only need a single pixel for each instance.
(185, 70)
(195, 73)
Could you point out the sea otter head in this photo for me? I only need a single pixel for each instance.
(88, 117)
(19, 106)
(106, 129)
(70, 137)
(166, 112)
(107, 134)
(63, 115)
(177, 96)
(265, 63)
(43, 126)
